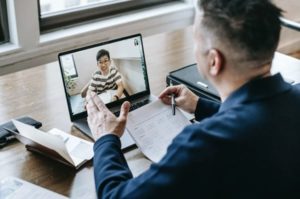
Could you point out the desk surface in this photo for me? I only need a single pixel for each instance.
(38, 92)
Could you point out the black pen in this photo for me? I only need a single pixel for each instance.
(173, 103)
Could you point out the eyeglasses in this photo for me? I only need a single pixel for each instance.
(103, 62)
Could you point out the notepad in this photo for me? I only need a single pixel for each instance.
(15, 188)
(56, 144)
(153, 127)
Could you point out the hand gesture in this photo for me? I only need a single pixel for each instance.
(184, 98)
(101, 121)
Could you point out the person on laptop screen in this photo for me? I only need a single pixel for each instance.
(106, 81)
(246, 147)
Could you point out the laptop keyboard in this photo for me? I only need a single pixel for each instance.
(134, 106)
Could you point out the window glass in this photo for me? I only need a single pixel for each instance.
(55, 6)
(55, 14)
(4, 34)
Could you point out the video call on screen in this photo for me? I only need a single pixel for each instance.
(113, 78)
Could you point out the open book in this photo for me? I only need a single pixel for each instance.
(153, 128)
(56, 144)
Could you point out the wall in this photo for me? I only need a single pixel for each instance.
(290, 39)
(132, 74)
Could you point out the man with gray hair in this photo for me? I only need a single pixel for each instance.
(246, 147)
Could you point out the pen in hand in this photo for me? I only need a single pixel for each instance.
(173, 100)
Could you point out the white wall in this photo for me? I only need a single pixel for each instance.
(132, 74)
(290, 39)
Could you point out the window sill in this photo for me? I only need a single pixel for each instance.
(45, 49)
(9, 48)
(113, 24)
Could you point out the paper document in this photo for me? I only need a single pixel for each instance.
(77, 148)
(72, 149)
(15, 188)
(153, 128)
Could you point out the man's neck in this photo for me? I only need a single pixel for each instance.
(226, 88)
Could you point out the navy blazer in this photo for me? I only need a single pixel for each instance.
(248, 147)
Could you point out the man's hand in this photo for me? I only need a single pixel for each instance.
(184, 98)
(101, 121)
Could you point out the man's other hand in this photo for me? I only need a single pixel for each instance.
(184, 98)
(101, 121)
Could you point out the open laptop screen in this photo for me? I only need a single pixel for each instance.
(115, 70)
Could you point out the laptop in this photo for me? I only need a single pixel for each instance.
(81, 70)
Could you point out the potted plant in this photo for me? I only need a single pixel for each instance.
(70, 83)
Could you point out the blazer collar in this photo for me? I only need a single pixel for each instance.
(256, 89)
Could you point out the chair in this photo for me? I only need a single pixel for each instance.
(290, 24)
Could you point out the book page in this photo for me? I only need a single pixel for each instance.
(45, 139)
(153, 128)
(15, 188)
(79, 149)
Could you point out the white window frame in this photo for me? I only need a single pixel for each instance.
(68, 17)
(28, 48)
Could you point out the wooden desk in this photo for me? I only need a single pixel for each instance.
(38, 92)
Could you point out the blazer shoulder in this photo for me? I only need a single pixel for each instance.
(297, 87)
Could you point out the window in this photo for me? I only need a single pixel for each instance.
(4, 35)
(69, 66)
(59, 13)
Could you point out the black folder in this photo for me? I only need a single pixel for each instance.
(5, 135)
(189, 76)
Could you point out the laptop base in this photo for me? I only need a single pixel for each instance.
(126, 140)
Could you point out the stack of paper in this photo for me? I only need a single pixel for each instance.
(153, 128)
(15, 188)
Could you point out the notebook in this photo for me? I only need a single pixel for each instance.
(123, 73)
(154, 132)
(55, 144)
(14, 188)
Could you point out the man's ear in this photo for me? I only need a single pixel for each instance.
(215, 62)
